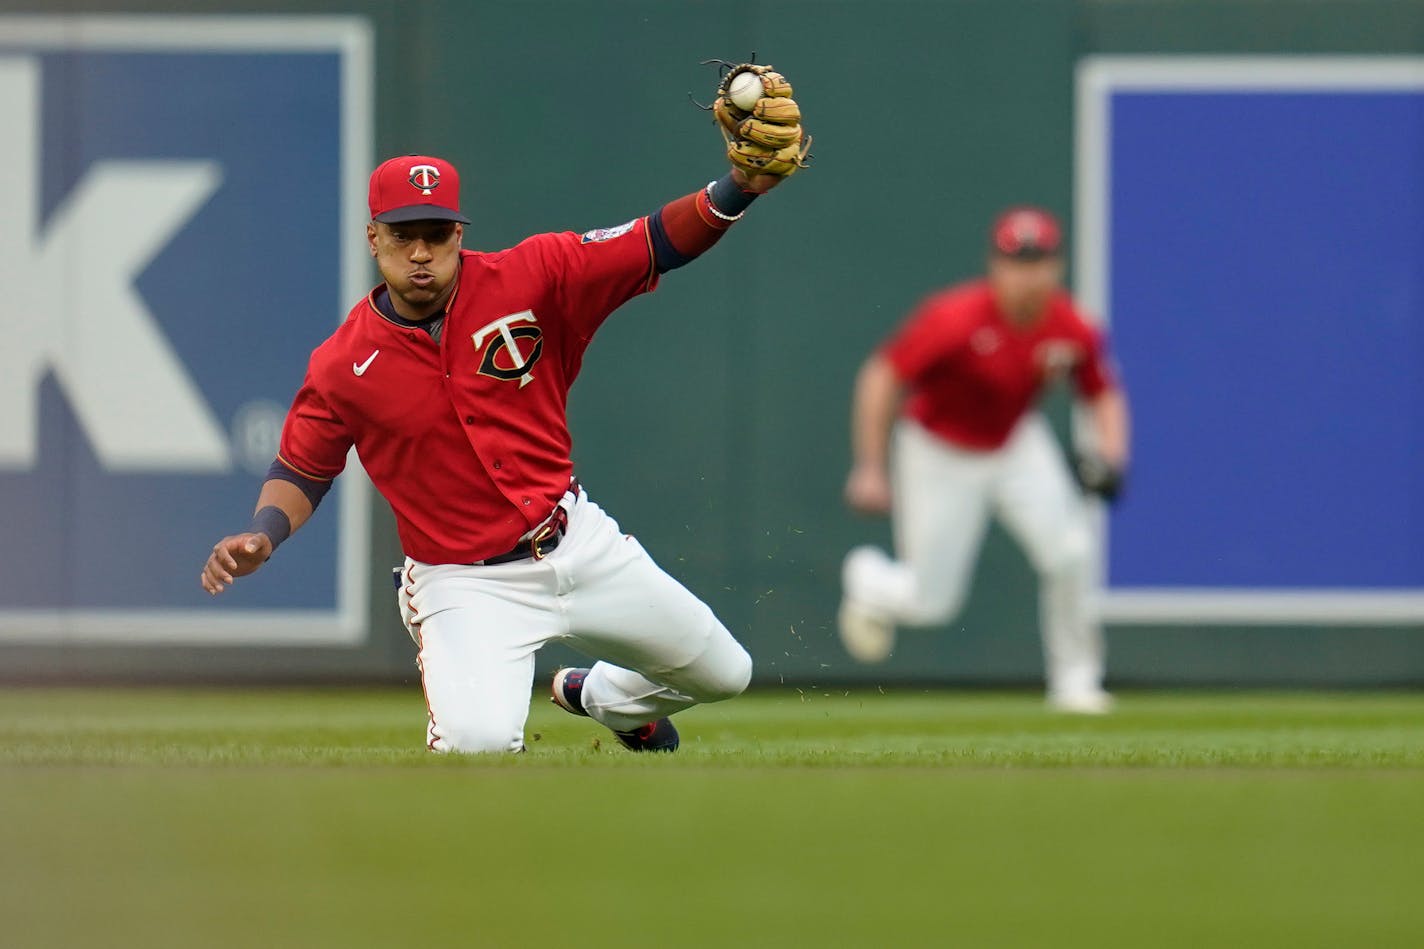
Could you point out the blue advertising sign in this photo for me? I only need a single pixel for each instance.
(183, 200)
(1253, 230)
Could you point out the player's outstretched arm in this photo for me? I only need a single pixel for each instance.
(282, 508)
(685, 229)
(878, 394)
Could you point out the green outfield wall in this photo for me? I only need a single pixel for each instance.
(710, 417)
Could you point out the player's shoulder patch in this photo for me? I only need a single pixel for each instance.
(600, 234)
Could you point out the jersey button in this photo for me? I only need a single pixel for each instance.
(498, 465)
(527, 501)
(469, 420)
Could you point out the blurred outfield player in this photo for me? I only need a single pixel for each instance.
(963, 375)
(451, 380)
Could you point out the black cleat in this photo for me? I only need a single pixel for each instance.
(654, 736)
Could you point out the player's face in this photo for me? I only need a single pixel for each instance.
(418, 261)
(1024, 287)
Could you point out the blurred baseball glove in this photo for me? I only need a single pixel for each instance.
(763, 134)
(1096, 476)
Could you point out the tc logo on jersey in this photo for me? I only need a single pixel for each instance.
(1056, 357)
(425, 177)
(505, 347)
(985, 340)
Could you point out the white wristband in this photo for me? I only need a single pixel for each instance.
(729, 218)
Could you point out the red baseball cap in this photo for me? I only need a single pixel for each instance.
(1026, 233)
(415, 188)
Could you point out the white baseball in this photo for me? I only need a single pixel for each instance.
(745, 90)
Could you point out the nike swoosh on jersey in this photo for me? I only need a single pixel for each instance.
(360, 368)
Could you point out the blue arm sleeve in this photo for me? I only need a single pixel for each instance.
(665, 256)
(313, 489)
(692, 228)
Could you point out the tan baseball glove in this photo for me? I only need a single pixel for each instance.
(760, 121)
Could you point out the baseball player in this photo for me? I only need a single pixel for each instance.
(962, 375)
(450, 380)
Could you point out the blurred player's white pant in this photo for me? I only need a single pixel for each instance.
(942, 499)
(479, 627)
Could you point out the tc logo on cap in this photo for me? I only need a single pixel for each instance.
(1026, 228)
(1026, 232)
(425, 177)
(390, 194)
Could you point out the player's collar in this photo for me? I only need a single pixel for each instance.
(379, 300)
(1016, 327)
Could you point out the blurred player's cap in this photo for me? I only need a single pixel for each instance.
(1026, 234)
(415, 188)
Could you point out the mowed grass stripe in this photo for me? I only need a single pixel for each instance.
(843, 728)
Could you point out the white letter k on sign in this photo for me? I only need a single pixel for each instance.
(132, 395)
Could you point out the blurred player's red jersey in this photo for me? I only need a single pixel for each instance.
(468, 439)
(972, 373)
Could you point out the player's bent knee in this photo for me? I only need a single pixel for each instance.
(1073, 556)
(727, 679)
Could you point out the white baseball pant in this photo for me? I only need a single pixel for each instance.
(660, 648)
(941, 503)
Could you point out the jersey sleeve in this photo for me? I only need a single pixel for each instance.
(927, 337)
(1094, 375)
(315, 441)
(596, 272)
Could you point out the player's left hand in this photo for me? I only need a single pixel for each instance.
(765, 141)
(232, 557)
(1097, 476)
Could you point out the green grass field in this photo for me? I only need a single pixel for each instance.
(315, 818)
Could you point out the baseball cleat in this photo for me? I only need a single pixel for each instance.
(654, 736)
(866, 636)
(1086, 702)
(568, 690)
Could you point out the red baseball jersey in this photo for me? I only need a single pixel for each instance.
(468, 438)
(972, 373)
